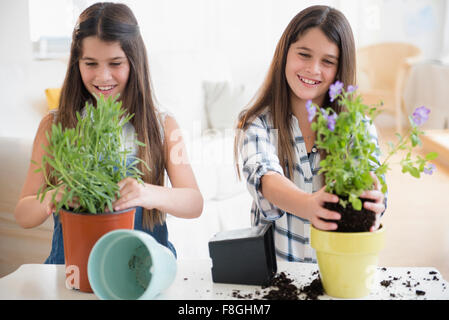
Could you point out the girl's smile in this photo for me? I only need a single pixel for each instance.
(105, 90)
(309, 83)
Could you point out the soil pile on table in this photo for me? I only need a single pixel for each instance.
(314, 289)
(284, 289)
(281, 287)
(395, 284)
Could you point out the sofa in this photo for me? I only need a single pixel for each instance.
(18, 245)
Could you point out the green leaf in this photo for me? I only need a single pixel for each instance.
(90, 206)
(39, 193)
(67, 197)
(53, 197)
(431, 156)
(37, 170)
(414, 172)
(415, 140)
(357, 204)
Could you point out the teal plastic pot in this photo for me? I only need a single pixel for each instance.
(130, 265)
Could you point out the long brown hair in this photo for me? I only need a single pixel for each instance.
(274, 92)
(116, 22)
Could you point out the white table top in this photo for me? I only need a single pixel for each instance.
(194, 282)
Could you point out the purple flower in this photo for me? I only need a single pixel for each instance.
(430, 169)
(351, 89)
(331, 121)
(335, 89)
(311, 110)
(420, 115)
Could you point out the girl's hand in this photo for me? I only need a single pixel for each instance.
(50, 206)
(133, 194)
(317, 212)
(378, 205)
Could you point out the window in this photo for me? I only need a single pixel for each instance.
(51, 26)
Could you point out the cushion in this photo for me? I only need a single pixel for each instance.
(212, 159)
(223, 103)
(52, 95)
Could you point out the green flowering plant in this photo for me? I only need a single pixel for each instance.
(350, 151)
(89, 160)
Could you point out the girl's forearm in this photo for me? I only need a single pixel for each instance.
(180, 202)
(29, 212)
(284, 194)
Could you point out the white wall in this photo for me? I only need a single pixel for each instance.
(14, 31)
(445, 47)
(22, 80)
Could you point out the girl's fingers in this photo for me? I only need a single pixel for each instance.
(123, 183)
(126, 182)
(328, 215)
(374, 228)
(331, 198)
(125, 191)
(373, 195)
(323, 225)
(117, 203)
(376, 224)
(378, 208)
(132, 202)
(126, 186)
(124, 200)
(325, 196)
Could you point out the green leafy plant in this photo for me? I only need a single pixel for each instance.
(89, 160)
(350, 151)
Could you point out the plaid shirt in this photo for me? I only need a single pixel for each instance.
(259, 155)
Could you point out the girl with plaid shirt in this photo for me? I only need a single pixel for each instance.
(276, 143)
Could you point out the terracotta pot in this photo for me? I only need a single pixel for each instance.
(80, 232)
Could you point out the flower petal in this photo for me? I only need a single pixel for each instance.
(335, 89)
(429, 169)
(351, 89)
(311, 110)
(420, 115)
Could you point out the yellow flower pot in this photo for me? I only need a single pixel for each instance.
(347, 261)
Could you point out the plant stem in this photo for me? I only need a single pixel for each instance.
(397, 147)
